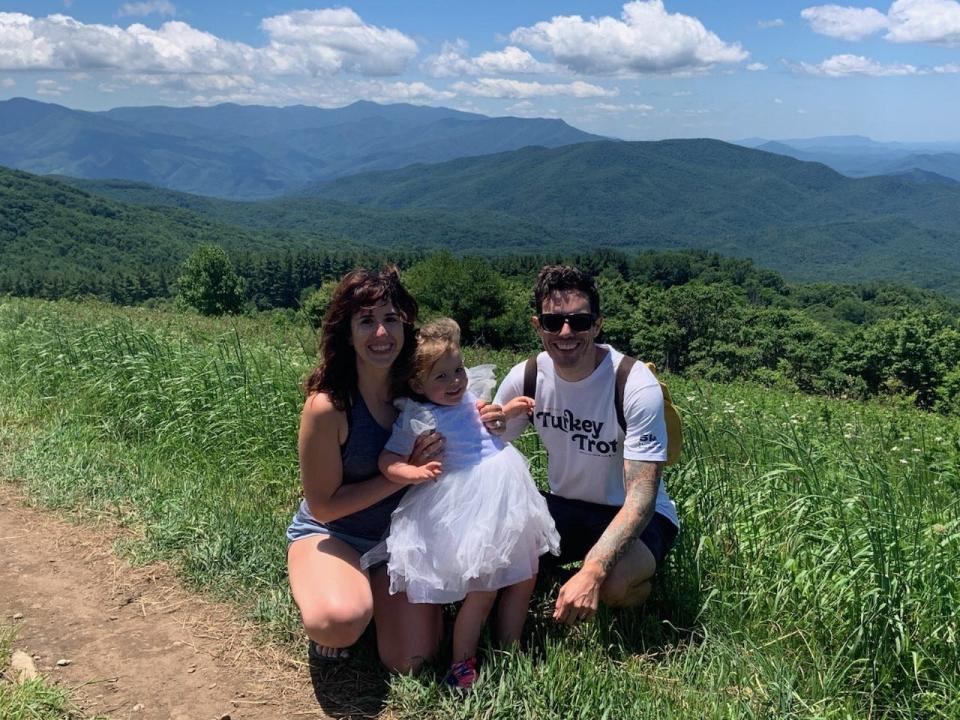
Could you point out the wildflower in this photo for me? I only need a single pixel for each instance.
(917, 450)
(903, 461)
(894, 448)
(938, 529)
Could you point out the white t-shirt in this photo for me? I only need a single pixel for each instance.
(577, 423)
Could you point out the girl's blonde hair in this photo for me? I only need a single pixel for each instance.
(433, 340)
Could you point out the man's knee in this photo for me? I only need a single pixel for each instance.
(618, 592)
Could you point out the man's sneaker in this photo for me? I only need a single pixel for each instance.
(462, 674)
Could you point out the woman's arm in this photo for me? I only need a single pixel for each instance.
(321, 428)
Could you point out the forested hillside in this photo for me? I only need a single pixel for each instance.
(801, 218)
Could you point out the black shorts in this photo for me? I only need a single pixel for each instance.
(581, 523)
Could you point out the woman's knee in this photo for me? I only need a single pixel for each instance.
(336, 624)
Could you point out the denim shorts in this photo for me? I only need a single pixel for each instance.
(581, 523)
(304, 525)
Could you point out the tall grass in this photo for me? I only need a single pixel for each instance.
(815, 575)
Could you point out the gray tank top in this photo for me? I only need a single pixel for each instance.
(359, 454)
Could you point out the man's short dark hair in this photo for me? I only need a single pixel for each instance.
(559, 278)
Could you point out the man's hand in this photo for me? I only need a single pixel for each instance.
(579, 598)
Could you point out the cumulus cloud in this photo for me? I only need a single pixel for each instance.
(767, 24)
(336, 39)
(454, 60)
(320, 42)
(846, 23)
(504, 88)
(142, 9)
(925, 21)
(756, 67)
(847, 65)
(951, 69)
(936, 22)
(50, 88)
(646, 39)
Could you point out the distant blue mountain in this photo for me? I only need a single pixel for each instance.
(858, 156)
(249, 152)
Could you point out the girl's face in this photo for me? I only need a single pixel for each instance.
(376, 334)
(446, 382)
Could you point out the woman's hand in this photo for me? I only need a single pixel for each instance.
(492, 416)
(427, 448)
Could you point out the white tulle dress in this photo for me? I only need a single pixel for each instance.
(481, 525)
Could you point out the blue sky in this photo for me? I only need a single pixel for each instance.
(645, 69)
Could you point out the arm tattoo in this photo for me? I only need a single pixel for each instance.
(641, 480)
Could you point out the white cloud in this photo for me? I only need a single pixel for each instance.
(846, 23)
(757, 66)
(321, 42)
(142, 9)
(683, 93)
(336, 39)
(453, 60)
(641, 108)
(925, 21)
(405, 92)
(503, 88)
(778, 101)
(51, 88)
(950, 69)
(8, 82)
(766, 24)
(848, 65)
(647, 39)
(936, 22)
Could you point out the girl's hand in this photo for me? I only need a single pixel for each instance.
(521, 405)
(430, 471)
(492, 416)
(428, 447)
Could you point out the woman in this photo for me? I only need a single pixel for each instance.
(368, 336)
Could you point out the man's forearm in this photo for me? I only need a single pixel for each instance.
(641, 480)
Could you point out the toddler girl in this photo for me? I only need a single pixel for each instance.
(475, 522)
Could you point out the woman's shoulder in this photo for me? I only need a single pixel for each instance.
(319, 410)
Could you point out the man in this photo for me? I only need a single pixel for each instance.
(611, 509)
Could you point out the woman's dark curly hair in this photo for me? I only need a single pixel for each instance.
(336, 375)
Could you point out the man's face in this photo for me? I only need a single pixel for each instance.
(572, 349)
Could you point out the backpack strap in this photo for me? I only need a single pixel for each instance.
(623, 372)
(530, 378)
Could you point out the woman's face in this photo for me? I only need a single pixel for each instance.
(376, 334)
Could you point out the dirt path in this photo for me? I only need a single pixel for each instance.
(138, 645)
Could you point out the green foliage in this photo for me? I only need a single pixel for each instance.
(314, 307)
(466, 289)
(208, 283)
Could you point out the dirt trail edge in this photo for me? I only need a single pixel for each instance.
(138, 646)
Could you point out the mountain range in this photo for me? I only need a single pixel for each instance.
(858, 156)
(803, 219)
(250, 152)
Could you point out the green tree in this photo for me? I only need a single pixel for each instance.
(466, 289)
(209, 283)
(315, 304)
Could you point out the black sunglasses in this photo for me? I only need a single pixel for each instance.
(579, 322)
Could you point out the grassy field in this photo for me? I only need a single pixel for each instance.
(816, 575)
